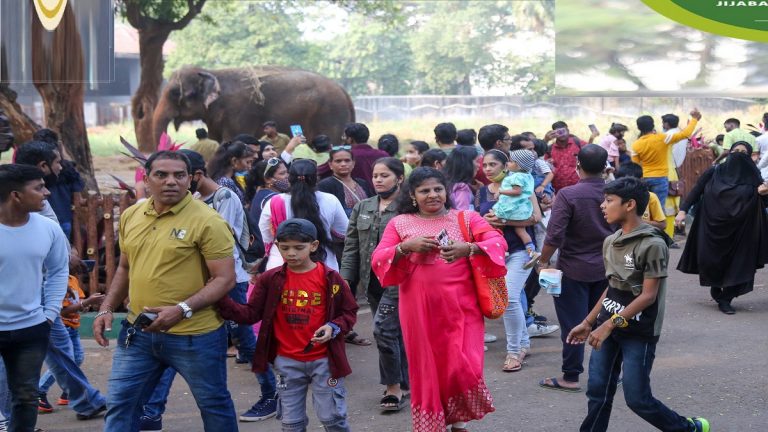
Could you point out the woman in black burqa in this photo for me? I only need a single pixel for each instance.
(728, 240)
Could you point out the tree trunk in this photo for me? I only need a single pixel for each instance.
(58, 72)
(151, 40)
(22, 125)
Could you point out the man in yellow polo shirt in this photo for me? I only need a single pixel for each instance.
(651, 152)
(176, 263)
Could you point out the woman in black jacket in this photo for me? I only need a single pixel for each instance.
(348, 190)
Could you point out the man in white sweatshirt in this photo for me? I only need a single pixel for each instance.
(28, 243)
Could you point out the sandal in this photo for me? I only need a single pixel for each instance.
(512, 363)
(355, 339)
(391, 402)
(555, 385)
(524, 353)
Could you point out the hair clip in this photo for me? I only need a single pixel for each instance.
(301, 178)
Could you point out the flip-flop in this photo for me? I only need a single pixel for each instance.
(399, 403)
(355, 339)
(556, 386)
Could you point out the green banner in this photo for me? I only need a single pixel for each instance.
(746, 19)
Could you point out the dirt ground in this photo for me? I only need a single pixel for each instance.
(707, 364)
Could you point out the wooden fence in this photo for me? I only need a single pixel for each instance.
(94, 233)
(696, 162)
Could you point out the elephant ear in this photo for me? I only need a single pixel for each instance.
(210, 88)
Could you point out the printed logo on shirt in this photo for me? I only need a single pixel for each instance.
(629, 262)
(300, 298)
(335, 289)
(178, 233)
(614, 307)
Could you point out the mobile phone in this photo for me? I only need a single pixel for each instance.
(145, 319)
(296, 130)
(442, 238)
(561, 132)
(593, 128)
(311, 344)
(89, 265)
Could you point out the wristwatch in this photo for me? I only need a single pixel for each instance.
(619, 321)
(186, 311)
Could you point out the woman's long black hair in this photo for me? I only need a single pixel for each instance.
(303, 178)
(460, 166)
(418, 176)
(221, 160)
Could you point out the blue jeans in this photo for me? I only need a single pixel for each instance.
(659, 186)
(83, 398)
(328, 395)
(242, 335)
(514, 317)
(47, 380)
(5, 396)
(200, 359)
(605, 366)
(22, 352)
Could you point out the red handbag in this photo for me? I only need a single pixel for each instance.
(491, 290)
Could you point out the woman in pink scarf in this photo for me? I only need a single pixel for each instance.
(442, 324)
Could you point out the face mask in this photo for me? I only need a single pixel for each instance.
(499, 177)
(241, 173)
(388, 193)
(281, 185)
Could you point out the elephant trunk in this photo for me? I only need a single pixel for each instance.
(164, 114)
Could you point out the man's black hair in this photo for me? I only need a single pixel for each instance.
(559, 125)
(592, 159)
(645, 124)
(529, 134)
(358, 132)
(630, 188)
(34, 152)
(445, 133)
(517, 142)
(389, 143)
(489, 134)
(201, 133)
(733, 121)
(247, 139)
(719, 138)
(629, 169)
(540, 146)
(672, 120)
(466, 137)
(13, 177)
(167, 155)
(46, 135)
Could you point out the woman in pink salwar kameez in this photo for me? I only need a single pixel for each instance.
(442, 325)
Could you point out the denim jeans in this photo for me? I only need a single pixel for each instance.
(242, 335)
(575, 302)
(83, 398)
(47, 380)
(393, 364)
(5, 396)
(200, 359)
(514, 317)
(23, 352)
(605, 366)
(659, 186)
(294, 378)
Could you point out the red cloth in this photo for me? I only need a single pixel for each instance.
(262, 305)
(300, 313)
(480, 176)
(564, 161)
(440, 318)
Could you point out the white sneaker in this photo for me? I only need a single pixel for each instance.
(538, 330)
(489, 338)
(485, 348)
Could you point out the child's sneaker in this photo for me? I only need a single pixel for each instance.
(63, 399)
(701, 424)
(43, 406)
(534, 259)
(149, 424)
(261, 410)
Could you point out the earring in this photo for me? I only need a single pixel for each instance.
(414, 202)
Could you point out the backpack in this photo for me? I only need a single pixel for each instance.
(251, 251)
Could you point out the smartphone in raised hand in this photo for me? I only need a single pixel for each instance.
(593, 129)
(296, 130)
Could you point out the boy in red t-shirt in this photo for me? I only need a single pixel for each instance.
(305, 309)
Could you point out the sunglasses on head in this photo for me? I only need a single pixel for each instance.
(271, 163)
(341, 147)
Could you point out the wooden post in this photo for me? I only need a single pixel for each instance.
(92, 239)
(77, 223)
(109, 238)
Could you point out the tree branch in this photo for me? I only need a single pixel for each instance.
(133, 14)
(195, 7)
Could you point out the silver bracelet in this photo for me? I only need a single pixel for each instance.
(104, 312)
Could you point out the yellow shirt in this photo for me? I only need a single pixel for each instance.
(304, 151)
(654, 212)
(166, 256)
(206, 147)
(280, 141)
(652, 153)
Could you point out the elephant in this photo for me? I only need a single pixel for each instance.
(239, 100)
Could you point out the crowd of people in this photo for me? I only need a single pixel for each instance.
(263, 247)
